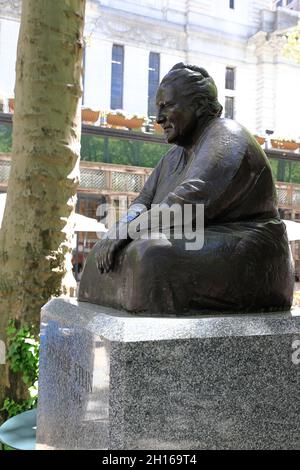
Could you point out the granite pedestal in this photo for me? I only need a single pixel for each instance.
(111, 380)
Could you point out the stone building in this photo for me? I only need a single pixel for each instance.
(291, 4)
(131, 44)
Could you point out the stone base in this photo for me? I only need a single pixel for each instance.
(110, 380)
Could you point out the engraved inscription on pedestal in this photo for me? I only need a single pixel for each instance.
(73, 387)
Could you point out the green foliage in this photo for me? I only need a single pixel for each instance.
(136, 153)
(22, 352)
(285, 171)
(23, 357)
(92, 148)
(13, 409)
(5, 138)
(121, 151)
(5, 447)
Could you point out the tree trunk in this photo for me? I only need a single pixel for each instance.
(45, 165)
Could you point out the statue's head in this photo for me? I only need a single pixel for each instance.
(186, 95)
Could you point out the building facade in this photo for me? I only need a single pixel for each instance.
(131, 44)
(291, 4)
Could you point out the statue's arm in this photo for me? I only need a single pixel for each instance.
(226, 167)
(221, 172)
(118, 237)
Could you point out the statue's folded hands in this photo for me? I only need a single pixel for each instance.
(112, 242)
(115, 239)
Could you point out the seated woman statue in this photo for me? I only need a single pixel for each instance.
(244, 264)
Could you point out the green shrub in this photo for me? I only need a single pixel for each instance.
(23, 357)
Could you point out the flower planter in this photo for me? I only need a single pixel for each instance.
(88, 115)
(260, 140)
(134, 123)
(116, 120)
(284, 144)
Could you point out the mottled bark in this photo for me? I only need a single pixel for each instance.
(45, 163)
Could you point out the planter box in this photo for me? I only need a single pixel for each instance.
(260, 140)
(284, 144)
(88, 115)
(134, 123)
(115, 120)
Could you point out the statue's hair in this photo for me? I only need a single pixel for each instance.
(198, 86)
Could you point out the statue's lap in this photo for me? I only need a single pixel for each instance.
(161, 275)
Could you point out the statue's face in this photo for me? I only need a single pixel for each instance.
(176, 114)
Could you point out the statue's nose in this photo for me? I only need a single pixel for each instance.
(160, 117)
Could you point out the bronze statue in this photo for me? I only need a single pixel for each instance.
(244, 264)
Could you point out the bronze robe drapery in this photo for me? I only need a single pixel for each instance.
(245, 262)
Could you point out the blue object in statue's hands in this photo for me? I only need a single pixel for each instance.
(130, 217)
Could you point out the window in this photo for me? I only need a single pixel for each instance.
(117, 76)
(153, 81)
(230, 78)
(283, 3)
(229, 107)
(231, 4)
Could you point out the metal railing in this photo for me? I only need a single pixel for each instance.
(288, 195)
(102, 178)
